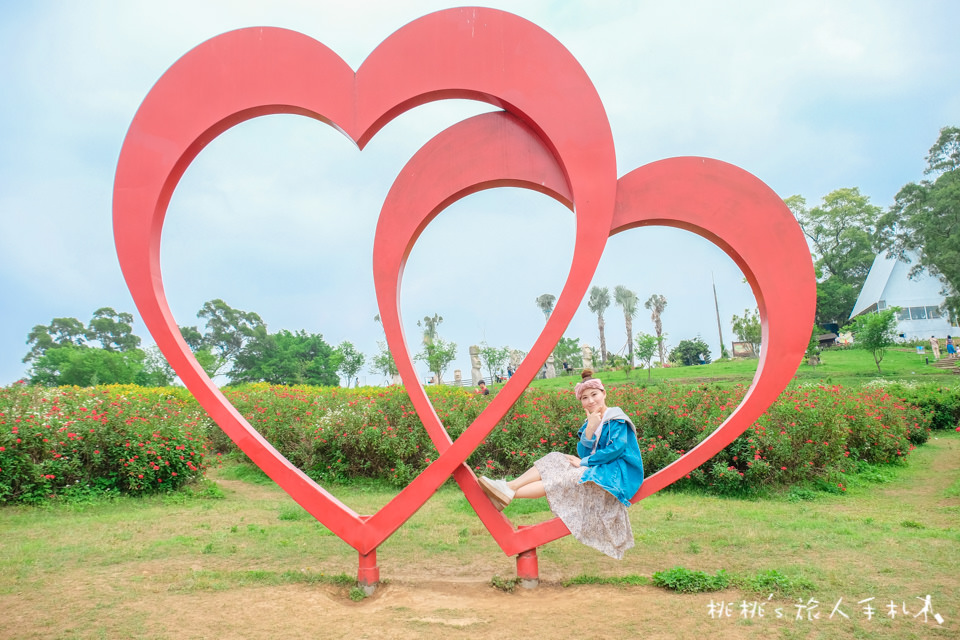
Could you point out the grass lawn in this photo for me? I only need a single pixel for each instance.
(236, 558)
(253, 564)
(838, 366)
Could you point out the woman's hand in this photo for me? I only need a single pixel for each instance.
(573, 460)
(593, 421)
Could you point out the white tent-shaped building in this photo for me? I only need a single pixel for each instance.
(889, 285)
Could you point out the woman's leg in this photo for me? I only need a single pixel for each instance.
(528, 485)
(531, 490)
(528, 476)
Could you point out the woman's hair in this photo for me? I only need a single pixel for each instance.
(587, 382)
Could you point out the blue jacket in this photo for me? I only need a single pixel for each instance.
(616, 465)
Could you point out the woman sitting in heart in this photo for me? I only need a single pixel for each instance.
(589, 492)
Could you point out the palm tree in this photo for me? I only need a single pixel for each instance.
(545, 302)
(429, 326)
(657, 303)
(598, 303)
(627, 300)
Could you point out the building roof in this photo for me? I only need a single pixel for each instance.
(875, 283)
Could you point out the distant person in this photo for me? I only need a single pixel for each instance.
(935, 347)
(589, 492)
(509, 372)
(951, 351)
(482, 390)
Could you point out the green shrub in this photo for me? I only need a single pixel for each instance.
(153, 439)
(940, 404)
(71, 443)
(687, 581)
(772, 581)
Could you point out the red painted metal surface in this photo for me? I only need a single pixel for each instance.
(368, 573)
(473, 53)
(718, 201)
(553, 138)
(527, 567)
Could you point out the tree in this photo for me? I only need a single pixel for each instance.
(546, 302)
(429, 326)
(86, 367)
(835, 300)
(437, 356)
(228, 330)
(193, 338)
(437, 353)
(351, 361)
(61, 353)
(875, 332)
(844, 232)
(286, 358)
(568, 350)
(656, 304)
(156, 371)
(598, 303)
(114, 331)
(627, 300)
(383, 362)
(494, 359)
(61, 332)
(691, 352)
(925, 219)
(646, 348)
(748, 329)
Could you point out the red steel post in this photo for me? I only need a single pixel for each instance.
(368, 573)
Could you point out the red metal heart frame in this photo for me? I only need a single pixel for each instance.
(473, 53)
(718, 201)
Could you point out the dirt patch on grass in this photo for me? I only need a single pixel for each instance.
(433, 609)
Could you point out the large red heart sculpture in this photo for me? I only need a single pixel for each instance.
(724, 204)
(480, 54)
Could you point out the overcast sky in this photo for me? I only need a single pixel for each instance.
(277, 215)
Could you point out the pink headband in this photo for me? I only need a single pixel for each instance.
(590, 383)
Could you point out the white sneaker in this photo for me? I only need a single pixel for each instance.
(498, 491)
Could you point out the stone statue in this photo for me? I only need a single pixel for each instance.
(587, 354)
(475, 376)
(551, 369)
(515, 359)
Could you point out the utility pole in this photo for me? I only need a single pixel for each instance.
(716, 306)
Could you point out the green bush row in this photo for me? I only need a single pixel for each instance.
(131, 439)
(810, 434)
(71, 441)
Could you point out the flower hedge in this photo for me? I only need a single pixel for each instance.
(69, 440)
(138, 440)
(810, 433)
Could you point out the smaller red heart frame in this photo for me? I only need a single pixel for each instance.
(718, 201)
(474, 53)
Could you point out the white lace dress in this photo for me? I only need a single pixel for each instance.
(593, 516)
